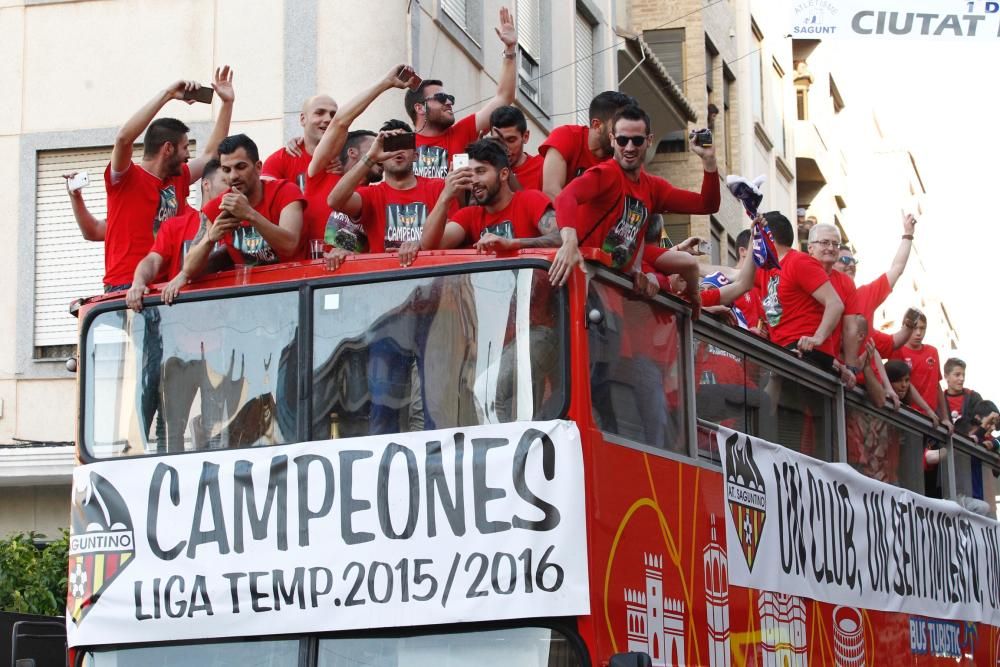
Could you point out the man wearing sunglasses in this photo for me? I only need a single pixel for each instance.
(847, 262)
(432, 110)
(610, 205)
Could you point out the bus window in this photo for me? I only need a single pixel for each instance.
(976, 486)
(884, 451)
(635, 369)
(436, 352)
(736, 391)
(223, 654)
(199, 374)
(524, 647)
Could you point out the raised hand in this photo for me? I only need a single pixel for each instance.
(507, 31)
(223, 84)
(176, 90)
(909, 224)
(399, 76)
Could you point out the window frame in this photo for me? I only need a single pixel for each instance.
(305, 290)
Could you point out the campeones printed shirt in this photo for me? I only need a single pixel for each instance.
(138, 203)
(391, 217)
(434, 153)
(612, 211)
(245, 240)
(518, 220)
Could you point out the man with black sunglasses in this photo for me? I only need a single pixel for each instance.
(432, 110)
(609, 206)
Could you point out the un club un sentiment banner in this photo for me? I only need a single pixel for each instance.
(895, 19)
(825, 531)
(447, 526)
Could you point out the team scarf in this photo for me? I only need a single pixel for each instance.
(765, 255)
(719, 280)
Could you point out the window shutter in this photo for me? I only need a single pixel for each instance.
(584, 56)
(668, 46)
(529, 28)
(456, 9)
(66, 265)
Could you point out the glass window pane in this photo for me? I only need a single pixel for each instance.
(976, 484)
(201, 374)
(884, 451)
(230, 654)
(524, 647)
(635, 368)
(436, 352)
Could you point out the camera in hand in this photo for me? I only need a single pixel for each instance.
(702, 138)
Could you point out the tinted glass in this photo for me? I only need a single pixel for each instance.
(228, 654)
(884, 451)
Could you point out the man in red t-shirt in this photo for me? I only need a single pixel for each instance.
(290, 163)
(511, 128)
(500, 218)
(173, 241)
(572, 149)
(925, 369)
(802, 307)
(142, 196)
(824, 247)
(432, 110)
(392, 212)
(259, 221)
(609, 206)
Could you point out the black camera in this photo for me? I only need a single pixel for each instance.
(702, 138)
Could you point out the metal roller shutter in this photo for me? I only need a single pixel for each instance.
(67, 266)
(457, 11)
(584, 56)
(529, 28)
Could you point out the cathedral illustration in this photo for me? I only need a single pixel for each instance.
(655, 623)
(782, 630)
(717, 601)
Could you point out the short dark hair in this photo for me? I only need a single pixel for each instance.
(896, 370)
(509, 116)
(604, 105)
(417, 97)
(781, 229)
(631, 112)
(161, 131)
(211, 167)
(984, 408)
(489, 151)
(395, 124)
(743, 238)
(231, 144)
(354, 139)
(952, 364)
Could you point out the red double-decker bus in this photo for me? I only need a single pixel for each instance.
(456, 463)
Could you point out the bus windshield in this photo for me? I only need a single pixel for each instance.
(388, 357)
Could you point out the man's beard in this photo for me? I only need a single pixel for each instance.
(175, 167)
(401, 171)
(490, 196)
(439, 120)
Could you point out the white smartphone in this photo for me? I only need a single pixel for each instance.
(460, 160)
(705, 247)
(78, 182)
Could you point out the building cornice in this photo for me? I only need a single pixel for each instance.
(28, 465)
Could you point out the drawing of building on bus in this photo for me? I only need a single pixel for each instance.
(655, 623)
(782, 630)
(717, 601)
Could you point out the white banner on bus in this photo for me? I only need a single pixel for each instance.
(447, 526)
(825, 531)
(895, 19)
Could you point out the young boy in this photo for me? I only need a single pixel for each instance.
(961, 401)
(899, 377)
(925, 368)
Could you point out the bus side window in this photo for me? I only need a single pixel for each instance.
(635, 373)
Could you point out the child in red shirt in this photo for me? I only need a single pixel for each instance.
(925, 370)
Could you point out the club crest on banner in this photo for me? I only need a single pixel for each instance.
(101, 542)
(745, 495)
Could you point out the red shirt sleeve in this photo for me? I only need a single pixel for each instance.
(651, 253)
(168, 237)
(286, 194)
(808, 274)
(587, 187)
(710, 296)
(212, 208)
(274, 165)
(466, 217)
(563, 140)
(465, 133)
(667, 198)
(536, 203)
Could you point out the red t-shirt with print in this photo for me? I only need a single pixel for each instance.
(925, 371)
(391, 217)
(612, 211)
(518, 220)
(318, 189)
(795, 313)
(249, 247)
(169, 243)
(572, 142)
(138, 204)
(529, 173)
(434, 153)
(282, 165)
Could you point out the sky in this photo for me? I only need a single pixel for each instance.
(940, 100)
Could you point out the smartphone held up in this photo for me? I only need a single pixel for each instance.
(77, 181)
(201, 94)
